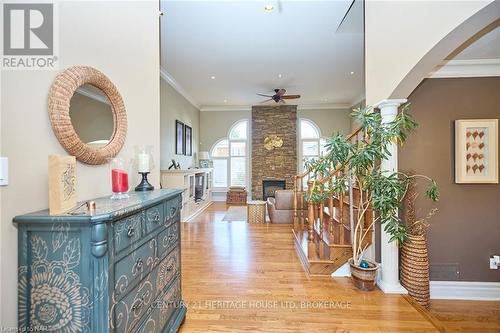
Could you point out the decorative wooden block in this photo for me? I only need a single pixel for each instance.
(62, 184)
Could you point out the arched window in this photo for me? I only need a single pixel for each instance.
(230, 157)
(311, 144)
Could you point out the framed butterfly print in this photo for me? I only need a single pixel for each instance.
(476, 151)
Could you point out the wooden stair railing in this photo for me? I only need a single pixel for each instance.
(322, 230)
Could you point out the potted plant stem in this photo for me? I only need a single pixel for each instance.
(380, 192)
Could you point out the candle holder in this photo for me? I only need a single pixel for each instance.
(144, 184)
(144, 164)
(119, 169)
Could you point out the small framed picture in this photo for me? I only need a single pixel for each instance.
(476, 151)
(188, 132)
(179, 138)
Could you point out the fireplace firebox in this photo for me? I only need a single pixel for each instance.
(269, 186)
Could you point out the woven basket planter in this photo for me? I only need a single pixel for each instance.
(415, 269)
(364, 278)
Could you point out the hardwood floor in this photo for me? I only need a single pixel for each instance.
(467, 316)
(239, 277)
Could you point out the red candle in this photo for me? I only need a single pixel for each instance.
(119, 180)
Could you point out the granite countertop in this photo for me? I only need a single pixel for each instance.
(105, 207)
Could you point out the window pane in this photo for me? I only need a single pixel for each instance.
(238, 171)
(310, 148)
(220, 172)
(322, 149)
(221, 149)
(239, 131)
(238, 148)
(308, 130)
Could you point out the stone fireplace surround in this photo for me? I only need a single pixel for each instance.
(269, 186)
(278, 163)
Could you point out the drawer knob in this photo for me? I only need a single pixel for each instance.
(157, 218)
(130, 231)
(138, 304)
(173, 210)
(139, 264)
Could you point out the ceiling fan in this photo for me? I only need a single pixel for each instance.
(279, 96)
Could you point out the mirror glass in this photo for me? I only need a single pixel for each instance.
(92, 116)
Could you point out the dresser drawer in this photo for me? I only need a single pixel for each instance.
(162, 310)
(133, 267)
(155, 218)
(133, 306)
(173, 208)
(168, 269)
(127, 231)
(167, 239)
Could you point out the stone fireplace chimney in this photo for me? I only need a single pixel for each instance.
(279, 163)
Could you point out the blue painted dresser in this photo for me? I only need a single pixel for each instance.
(117, 270)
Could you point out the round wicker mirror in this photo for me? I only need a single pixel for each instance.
(60, 94)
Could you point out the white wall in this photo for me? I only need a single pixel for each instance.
(174, 107)
(398, 34)
(120, 39)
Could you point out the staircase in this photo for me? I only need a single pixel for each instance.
(322, 231)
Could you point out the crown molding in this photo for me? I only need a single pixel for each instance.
(95, 96)
(212, 108)
(171, 81)
(338, 106)
(467, 68)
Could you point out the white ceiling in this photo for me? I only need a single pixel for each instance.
(246, 49)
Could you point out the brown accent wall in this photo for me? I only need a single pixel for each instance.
(281, 162)
(466, 231)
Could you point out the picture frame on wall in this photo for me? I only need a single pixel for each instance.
(476, 151)
(188, 140)
(179, 137)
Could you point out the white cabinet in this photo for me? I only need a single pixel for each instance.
(197, 189)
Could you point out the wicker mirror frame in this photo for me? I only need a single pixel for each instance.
(60, 94)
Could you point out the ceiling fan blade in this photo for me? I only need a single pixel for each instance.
(267, 100)
(280, 92)
(290, 96)
(264, 95)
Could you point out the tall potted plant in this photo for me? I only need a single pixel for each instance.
(381, 192)
(414, 256)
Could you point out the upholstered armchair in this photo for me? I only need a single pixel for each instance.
(280, 207)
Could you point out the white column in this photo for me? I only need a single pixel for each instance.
(388, 279)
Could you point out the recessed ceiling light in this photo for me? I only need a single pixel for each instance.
(212, 77)
(225, 101)
(268, 8)
(352, 73)
(325, 99)
(280, 75)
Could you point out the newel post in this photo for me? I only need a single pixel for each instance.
(388, 279)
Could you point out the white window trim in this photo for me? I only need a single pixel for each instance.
(300, 140)
(228, 158)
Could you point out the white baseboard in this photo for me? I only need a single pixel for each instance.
(200, 210)
(479, 291)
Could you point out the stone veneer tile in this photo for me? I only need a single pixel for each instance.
(280, 163)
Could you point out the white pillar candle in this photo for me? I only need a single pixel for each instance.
(143, 162)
